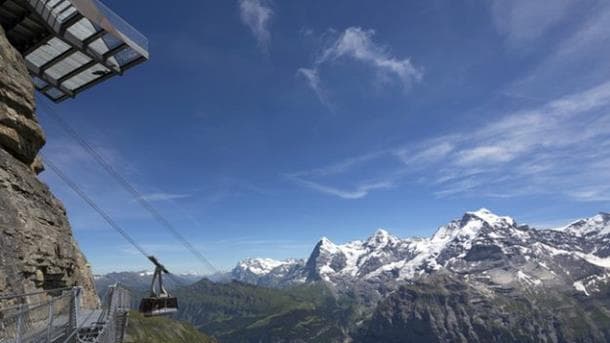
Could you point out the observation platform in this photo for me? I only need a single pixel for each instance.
(71, 45)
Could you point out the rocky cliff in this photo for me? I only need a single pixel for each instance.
(446, 308)
(37, 249)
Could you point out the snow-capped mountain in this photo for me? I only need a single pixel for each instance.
(482, 247)
(598, 225)
(269, 272)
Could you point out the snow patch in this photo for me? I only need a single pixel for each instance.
(596, 260)
(528, 279)
(580, 287)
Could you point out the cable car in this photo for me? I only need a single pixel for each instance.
(159, 302)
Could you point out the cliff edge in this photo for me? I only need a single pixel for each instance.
(37, 249)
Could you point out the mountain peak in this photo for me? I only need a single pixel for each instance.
(326, 245)
(471, 224)
(603, 216)
(381, 237)
(491, 218)
(598, 224)
(259, 265)
(325, 241)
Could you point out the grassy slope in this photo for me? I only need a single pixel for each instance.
(238, 312)
(162, 330)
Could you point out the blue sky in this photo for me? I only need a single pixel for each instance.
(259, 126)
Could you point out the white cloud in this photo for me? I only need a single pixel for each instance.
(560, 148)
(523, 21)
(484, 154)
(357, 44)
(257, 15)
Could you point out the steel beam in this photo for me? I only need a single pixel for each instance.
(10, 26)
(76, 71)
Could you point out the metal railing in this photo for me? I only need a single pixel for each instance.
(113, 320)
(61, 320)
(39, 322)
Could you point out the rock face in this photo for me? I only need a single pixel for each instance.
(20, 133)
(445, 308)
(37, 249)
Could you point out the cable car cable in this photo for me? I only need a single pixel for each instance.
(129, 188)
(157, 303)
(93, 205)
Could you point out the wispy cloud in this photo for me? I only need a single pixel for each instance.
(357, 44)
(601, 193)
(357, 192)
(345, 165)
(163, 196)
(312, 76)
(523, 21)
(257, 15)
(580, 58)
(427, 152)
(555, 148)
(485, 154)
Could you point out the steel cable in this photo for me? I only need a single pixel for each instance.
(126, 185)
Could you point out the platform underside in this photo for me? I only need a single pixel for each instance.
(70, 45)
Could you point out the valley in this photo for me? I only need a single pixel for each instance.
(479, 278)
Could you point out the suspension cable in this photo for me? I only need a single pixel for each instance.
(102, 213)
(127, 186)
(93, 205)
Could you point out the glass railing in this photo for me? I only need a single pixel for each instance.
(87, 49)
(118, 23)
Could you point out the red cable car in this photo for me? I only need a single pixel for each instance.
(160, 302)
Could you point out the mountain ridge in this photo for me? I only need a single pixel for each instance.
(479, 278)
(480, 241)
